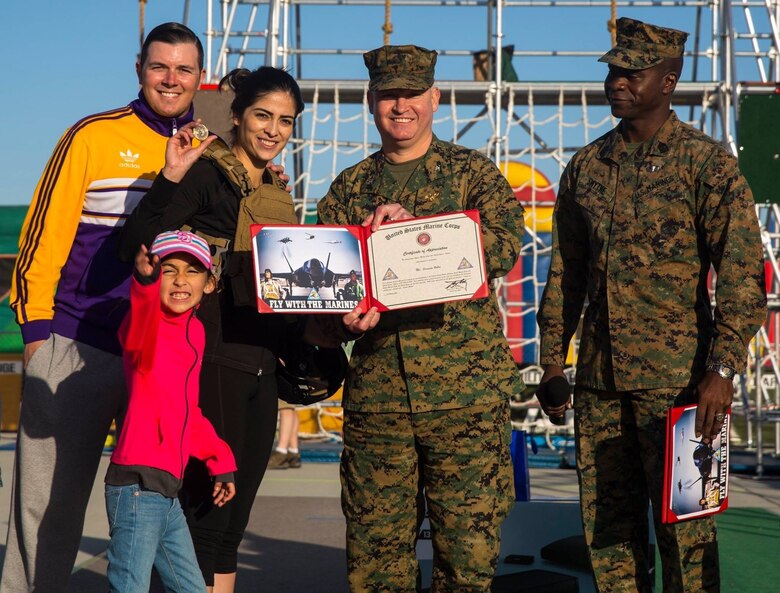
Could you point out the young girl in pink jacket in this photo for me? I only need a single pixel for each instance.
(163, 343)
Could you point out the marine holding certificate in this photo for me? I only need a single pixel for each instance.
(427, 393)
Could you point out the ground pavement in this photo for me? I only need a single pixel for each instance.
(295, 539)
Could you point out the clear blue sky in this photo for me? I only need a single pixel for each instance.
(63, 60)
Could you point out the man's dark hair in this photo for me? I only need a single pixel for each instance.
(172, 33)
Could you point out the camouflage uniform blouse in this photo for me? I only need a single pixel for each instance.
(440, 356)
(636, 235)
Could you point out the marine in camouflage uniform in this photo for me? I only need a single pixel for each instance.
(426, 398)
(638, 222)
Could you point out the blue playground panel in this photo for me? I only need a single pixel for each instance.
(532, 291)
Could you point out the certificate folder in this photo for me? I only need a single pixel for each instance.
(695, 474)
(332, 269)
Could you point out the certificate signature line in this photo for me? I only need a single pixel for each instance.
(455, 285)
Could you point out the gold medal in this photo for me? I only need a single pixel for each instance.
(201, 132)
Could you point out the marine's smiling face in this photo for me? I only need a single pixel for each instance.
(404, 117)
(636, 93)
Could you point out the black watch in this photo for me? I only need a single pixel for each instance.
(724, 371)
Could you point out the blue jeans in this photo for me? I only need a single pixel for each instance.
(148, 529)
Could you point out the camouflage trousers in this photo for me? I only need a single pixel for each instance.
(459, 461)
(620, 456)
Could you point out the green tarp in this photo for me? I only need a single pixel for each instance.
(759, 145)
(11, 218)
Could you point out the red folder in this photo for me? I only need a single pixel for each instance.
(695, 473)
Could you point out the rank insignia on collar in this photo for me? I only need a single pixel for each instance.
(430, 196)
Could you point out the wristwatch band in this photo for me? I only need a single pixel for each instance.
(722, 370)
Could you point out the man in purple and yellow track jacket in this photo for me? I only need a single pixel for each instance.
(69, 293)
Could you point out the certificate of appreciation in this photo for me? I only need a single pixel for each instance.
(331, 269)
(427, 260)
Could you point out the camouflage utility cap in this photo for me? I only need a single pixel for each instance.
(641, 46)
(400, 67)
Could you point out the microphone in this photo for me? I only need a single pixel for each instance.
(556, 393)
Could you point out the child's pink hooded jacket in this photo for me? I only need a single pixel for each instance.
(162, 357)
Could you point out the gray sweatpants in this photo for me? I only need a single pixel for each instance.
(70, 395)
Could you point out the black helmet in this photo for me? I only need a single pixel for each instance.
(308, 374)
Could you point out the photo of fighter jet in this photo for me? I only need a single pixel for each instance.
(697, 470)
(313, 262)
(312, 273)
